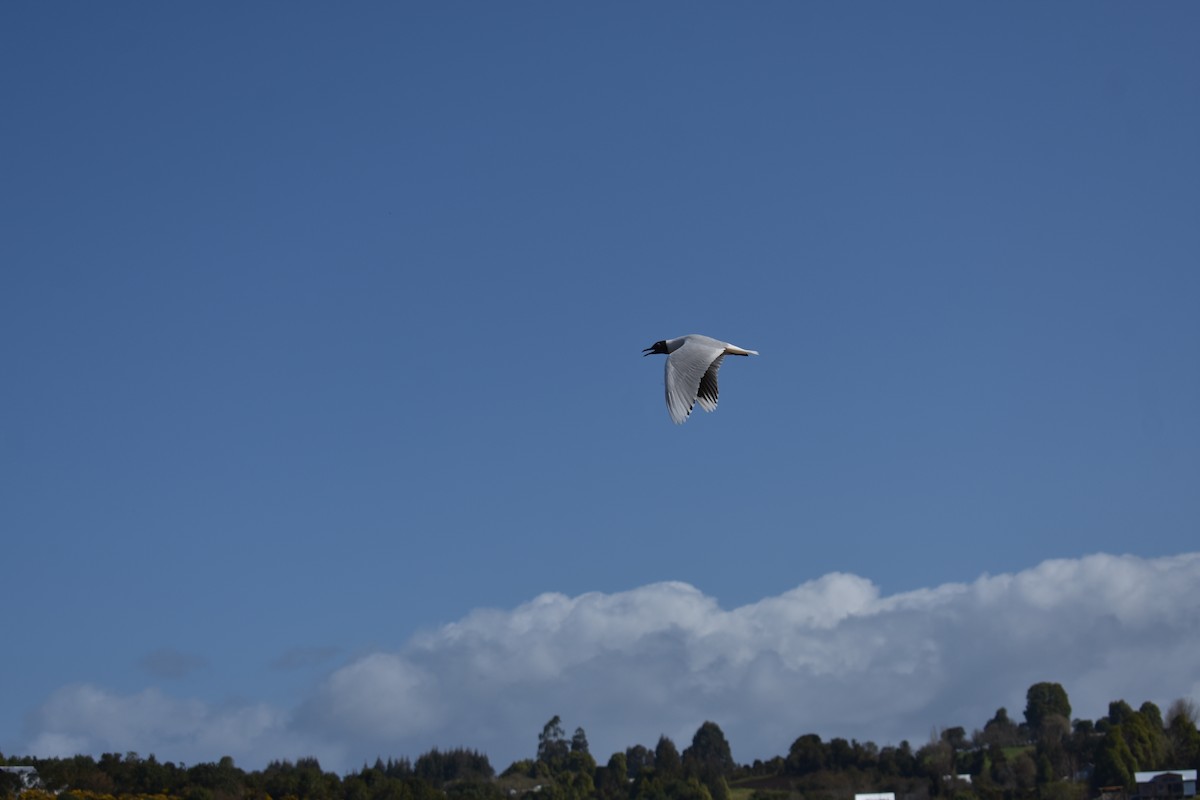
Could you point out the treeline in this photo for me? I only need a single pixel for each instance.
(132, 777)
(1047, 756)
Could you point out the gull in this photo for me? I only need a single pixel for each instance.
(692, 364)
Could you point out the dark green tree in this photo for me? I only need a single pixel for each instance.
(936, 761)
(473, 790)
(579, 742)
(552, 744)
(223, 779)
(1042, 700)
(1001, 771)
(638, 758)
(1114, 761)
(444, 767)
(710, 760)
(1146, 741)
(717, 787)
(1053, 751)
(806, 755)
(578, 776)
(1024, 770)
(612, 782)
(956, 737)
(896, 761)
(839, 755)
(1119, 712)
(709, 753)
(1000, 731)
(1153, 715)
(667, 762)
(303, 779)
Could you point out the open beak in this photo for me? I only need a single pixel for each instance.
(649, 351)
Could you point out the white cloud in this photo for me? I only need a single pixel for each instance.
(831, 656)
(81, 718)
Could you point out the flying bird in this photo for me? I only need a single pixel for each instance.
(691, 377)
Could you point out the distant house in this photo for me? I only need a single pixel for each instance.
(1171, 784)
(30, 780)
(876, 796)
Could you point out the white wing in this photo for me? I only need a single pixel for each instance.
(707, 394)
(691, 375)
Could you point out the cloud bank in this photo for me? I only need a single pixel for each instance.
(832, 656)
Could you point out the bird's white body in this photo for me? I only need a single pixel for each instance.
(691, 371)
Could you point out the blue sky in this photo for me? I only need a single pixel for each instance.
(321, 331)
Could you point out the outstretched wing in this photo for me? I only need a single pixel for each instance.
(707, 395)
(688, 368)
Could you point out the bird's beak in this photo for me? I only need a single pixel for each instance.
(649, 351)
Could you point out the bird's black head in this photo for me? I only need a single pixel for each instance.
(658, 348)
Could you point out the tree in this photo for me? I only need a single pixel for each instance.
(1001, 771)
(839, 755)
(1182, 707)
(710, 760)
(956, 737)
(552, 744)
(896, 761)
(1042, 700)
(718, 788)
(1024, 772)
(1145, 741)
(709, 754)
(1000, 731)
(1152, 714)
(666, 758)
(222, 778)
(937, 760)
(806, 755)
(579, 742)
(578, 775)
(1183, 740)
(612, 782)
(304, 780)
(1119, 712)
(1114, 762)
(638, 758)
(1054, 757)
(441, 768)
